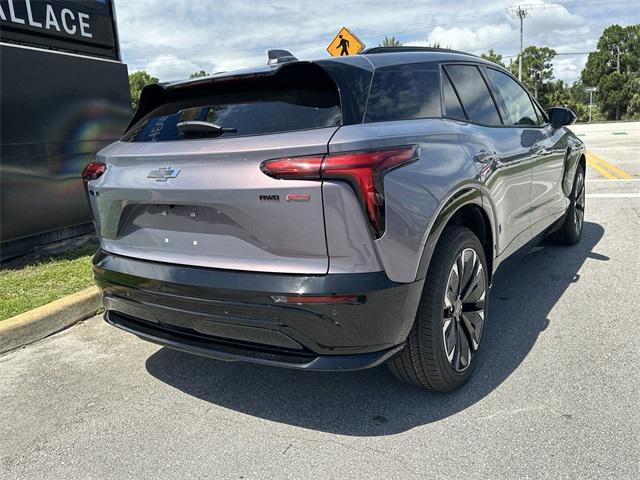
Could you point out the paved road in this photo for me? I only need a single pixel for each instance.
(613, 149)
(556, 397)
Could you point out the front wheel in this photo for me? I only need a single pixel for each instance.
(444, 342)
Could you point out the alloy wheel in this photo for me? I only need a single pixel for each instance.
(464, 310)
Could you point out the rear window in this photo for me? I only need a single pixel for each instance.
(404, 92)
(250, 112)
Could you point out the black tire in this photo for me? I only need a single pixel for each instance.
(571, 230)
(424, 360)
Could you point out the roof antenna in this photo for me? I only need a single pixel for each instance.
(277, 57)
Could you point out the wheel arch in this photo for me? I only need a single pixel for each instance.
(464, 208)
(572, 163)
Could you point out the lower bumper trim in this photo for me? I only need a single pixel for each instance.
(228, 352)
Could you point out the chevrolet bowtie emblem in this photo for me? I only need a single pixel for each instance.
(162, 174)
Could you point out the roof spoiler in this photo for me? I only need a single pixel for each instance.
(276, 57)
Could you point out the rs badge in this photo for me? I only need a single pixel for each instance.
(298, 197)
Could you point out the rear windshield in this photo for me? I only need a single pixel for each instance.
(404, 92)
(250, 112)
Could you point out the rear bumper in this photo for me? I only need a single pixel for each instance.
(230, 315)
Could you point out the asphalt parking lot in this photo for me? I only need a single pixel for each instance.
(556, 396)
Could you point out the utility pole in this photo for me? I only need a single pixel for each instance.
(519, 13)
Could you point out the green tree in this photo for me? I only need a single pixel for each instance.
(613, 94)
(494, 57)
(601, 69)
(391, 42)
(559, 94)
(537, 68)
(199, 74)
(633, 109)
(579, 92)
(137, 81)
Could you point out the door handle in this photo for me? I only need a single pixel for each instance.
(485, 156)
(537, 150)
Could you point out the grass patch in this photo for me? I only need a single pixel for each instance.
(24, 286)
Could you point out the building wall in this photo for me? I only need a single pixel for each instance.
(57, 109)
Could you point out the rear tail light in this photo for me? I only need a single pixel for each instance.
(93, 170)
(293, 168)
(363, 170)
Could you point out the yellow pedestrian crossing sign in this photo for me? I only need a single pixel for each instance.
(345, 43)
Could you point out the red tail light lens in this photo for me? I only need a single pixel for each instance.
(93, 170)
(363, 170)
(294, 168)
(324, 299)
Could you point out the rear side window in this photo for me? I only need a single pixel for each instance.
(248, 111)
(519, 108)
(404, 92)
(452, 106)
(474, 94)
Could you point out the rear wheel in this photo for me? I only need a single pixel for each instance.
(443, 345)
(571, 230)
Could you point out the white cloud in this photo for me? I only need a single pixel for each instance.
(568, 68)
(469, 39)
(175, 38)
(548, 15)
(170, 67)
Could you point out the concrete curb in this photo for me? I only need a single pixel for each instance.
(43, 321)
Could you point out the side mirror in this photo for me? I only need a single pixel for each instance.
(560, 116)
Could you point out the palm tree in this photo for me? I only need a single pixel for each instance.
(199, 74)
(391, 42)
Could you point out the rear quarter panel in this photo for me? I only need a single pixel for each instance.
(414, 193)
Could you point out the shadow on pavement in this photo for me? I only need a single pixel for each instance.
(373, 402)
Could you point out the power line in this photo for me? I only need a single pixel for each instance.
(256, 53)
(557, 54)
(318, 40)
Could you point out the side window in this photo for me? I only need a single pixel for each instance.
(404, 92)
(520, 110)
(452, 106)
(474, 94)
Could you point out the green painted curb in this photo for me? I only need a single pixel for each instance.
(39, 323)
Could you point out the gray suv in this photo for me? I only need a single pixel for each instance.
(332, 214)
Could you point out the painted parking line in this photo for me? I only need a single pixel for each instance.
(592, 180)
(605, 168)
(600, 170)
(613, 195)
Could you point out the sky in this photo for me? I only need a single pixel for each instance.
(172, 39)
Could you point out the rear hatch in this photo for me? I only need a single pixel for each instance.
(198, 196)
